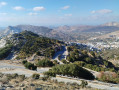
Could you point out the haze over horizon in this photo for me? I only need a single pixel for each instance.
(58, 12)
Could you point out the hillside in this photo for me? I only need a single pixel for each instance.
(19, 28)
(105, 29)
(27, 43)
(111, 35)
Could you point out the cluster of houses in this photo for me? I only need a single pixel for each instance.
(84, 45)
(103, 45)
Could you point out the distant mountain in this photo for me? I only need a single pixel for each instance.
(106, 29)
(69, 29)
(112, 35)
(40, 30)
(65, 33)
(111, 24)
(19, 28)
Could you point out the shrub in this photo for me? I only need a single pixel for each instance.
(11, 76)
(22, 77)
(80, 63)
(24, 61)
(30, 66)
(64, 61)
(45, 78)
(38, 53)
(45, 63)
(84, 84)
(55, 62)
(50, 74)
(35, 76)
(15, 75)
(88, 59)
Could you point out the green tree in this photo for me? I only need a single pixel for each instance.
(30, 66)
(45, 63)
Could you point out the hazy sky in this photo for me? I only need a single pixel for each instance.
(58, 12)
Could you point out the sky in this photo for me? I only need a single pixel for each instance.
(58, 12)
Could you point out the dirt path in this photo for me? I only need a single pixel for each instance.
(10, 68)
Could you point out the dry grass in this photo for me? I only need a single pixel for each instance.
(18, 83)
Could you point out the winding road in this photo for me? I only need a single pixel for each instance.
(63, 54)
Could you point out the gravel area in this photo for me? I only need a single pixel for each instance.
(12, 68)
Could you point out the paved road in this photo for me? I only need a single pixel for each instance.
(20, 69)
(63, 54)
(12, 66)
(94, 84)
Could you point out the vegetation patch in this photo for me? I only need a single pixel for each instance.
(4, 52)
(29, 65)
(89, 59)
(35, 76)
(45, 63)
(72, 70)
(30, 43)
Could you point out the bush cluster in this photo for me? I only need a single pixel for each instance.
(29, 65)
(89, 59)
(45, 63)
(72, 70)
(35, 76)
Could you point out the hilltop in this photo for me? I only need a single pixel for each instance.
(25, 44)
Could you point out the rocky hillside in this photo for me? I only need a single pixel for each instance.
(27, 43)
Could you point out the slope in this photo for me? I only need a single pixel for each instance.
(26, 43)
